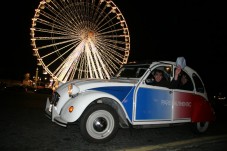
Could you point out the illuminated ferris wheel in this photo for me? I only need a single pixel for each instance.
(74, 39)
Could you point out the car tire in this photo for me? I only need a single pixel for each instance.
(99, 123)
(200, 127)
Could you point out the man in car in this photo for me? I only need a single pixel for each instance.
(185, 84)
(159, 80)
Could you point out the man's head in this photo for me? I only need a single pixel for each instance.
(158, 75)
(184, 79)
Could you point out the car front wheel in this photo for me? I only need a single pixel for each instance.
(99, 123)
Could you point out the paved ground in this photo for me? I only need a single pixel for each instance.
(24, 127)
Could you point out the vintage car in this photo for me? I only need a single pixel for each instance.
(101, 106)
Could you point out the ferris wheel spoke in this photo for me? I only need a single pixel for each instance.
(57, 50)
(109, 29)
(108, 25)
(82, 67)
(110, 63)
(54, 27)
(54, 44)
(109, 53)
(69, 61)
(99, 60)
(92, 11)
(110, 49)
(62, 21)
(96, 12)
(60, 56)
(60, 9)
(49, 20)
(58, 21)
(48, 31)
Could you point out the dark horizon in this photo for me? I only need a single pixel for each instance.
(158, 31)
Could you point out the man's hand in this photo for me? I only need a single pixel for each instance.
(177, 72)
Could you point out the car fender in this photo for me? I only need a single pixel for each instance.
(207, 114)
(81, 102)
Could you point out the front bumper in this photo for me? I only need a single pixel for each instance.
(51, 113)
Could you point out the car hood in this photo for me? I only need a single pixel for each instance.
(94, 84)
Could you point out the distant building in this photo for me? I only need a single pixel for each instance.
(27, 82)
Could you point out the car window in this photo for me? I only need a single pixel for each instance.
(132, 71)
(185, 82)
(128, 72)
(140, 72)
(166, 72)
(198, 83)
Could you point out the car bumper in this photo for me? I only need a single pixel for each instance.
(51, 113)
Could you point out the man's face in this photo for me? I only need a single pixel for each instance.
(184, 79)
(158, 76)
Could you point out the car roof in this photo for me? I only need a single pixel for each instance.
(148, 63)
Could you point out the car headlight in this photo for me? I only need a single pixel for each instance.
(72, 90)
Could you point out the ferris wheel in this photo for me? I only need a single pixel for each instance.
(74, 39)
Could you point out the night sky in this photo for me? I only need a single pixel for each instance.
(159, 30)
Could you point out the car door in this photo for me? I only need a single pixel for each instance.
(153, 102)
(183, 97)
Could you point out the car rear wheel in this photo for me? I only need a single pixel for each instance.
(200, 127)
(99, 123)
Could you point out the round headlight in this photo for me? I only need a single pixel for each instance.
(72, 90)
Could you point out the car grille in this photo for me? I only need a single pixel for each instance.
(54, 98)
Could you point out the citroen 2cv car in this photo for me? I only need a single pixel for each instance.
(101, 106)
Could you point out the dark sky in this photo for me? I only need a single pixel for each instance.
(159, 30)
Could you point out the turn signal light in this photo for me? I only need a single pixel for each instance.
(71, 108)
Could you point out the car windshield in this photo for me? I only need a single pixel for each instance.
(131, 71)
